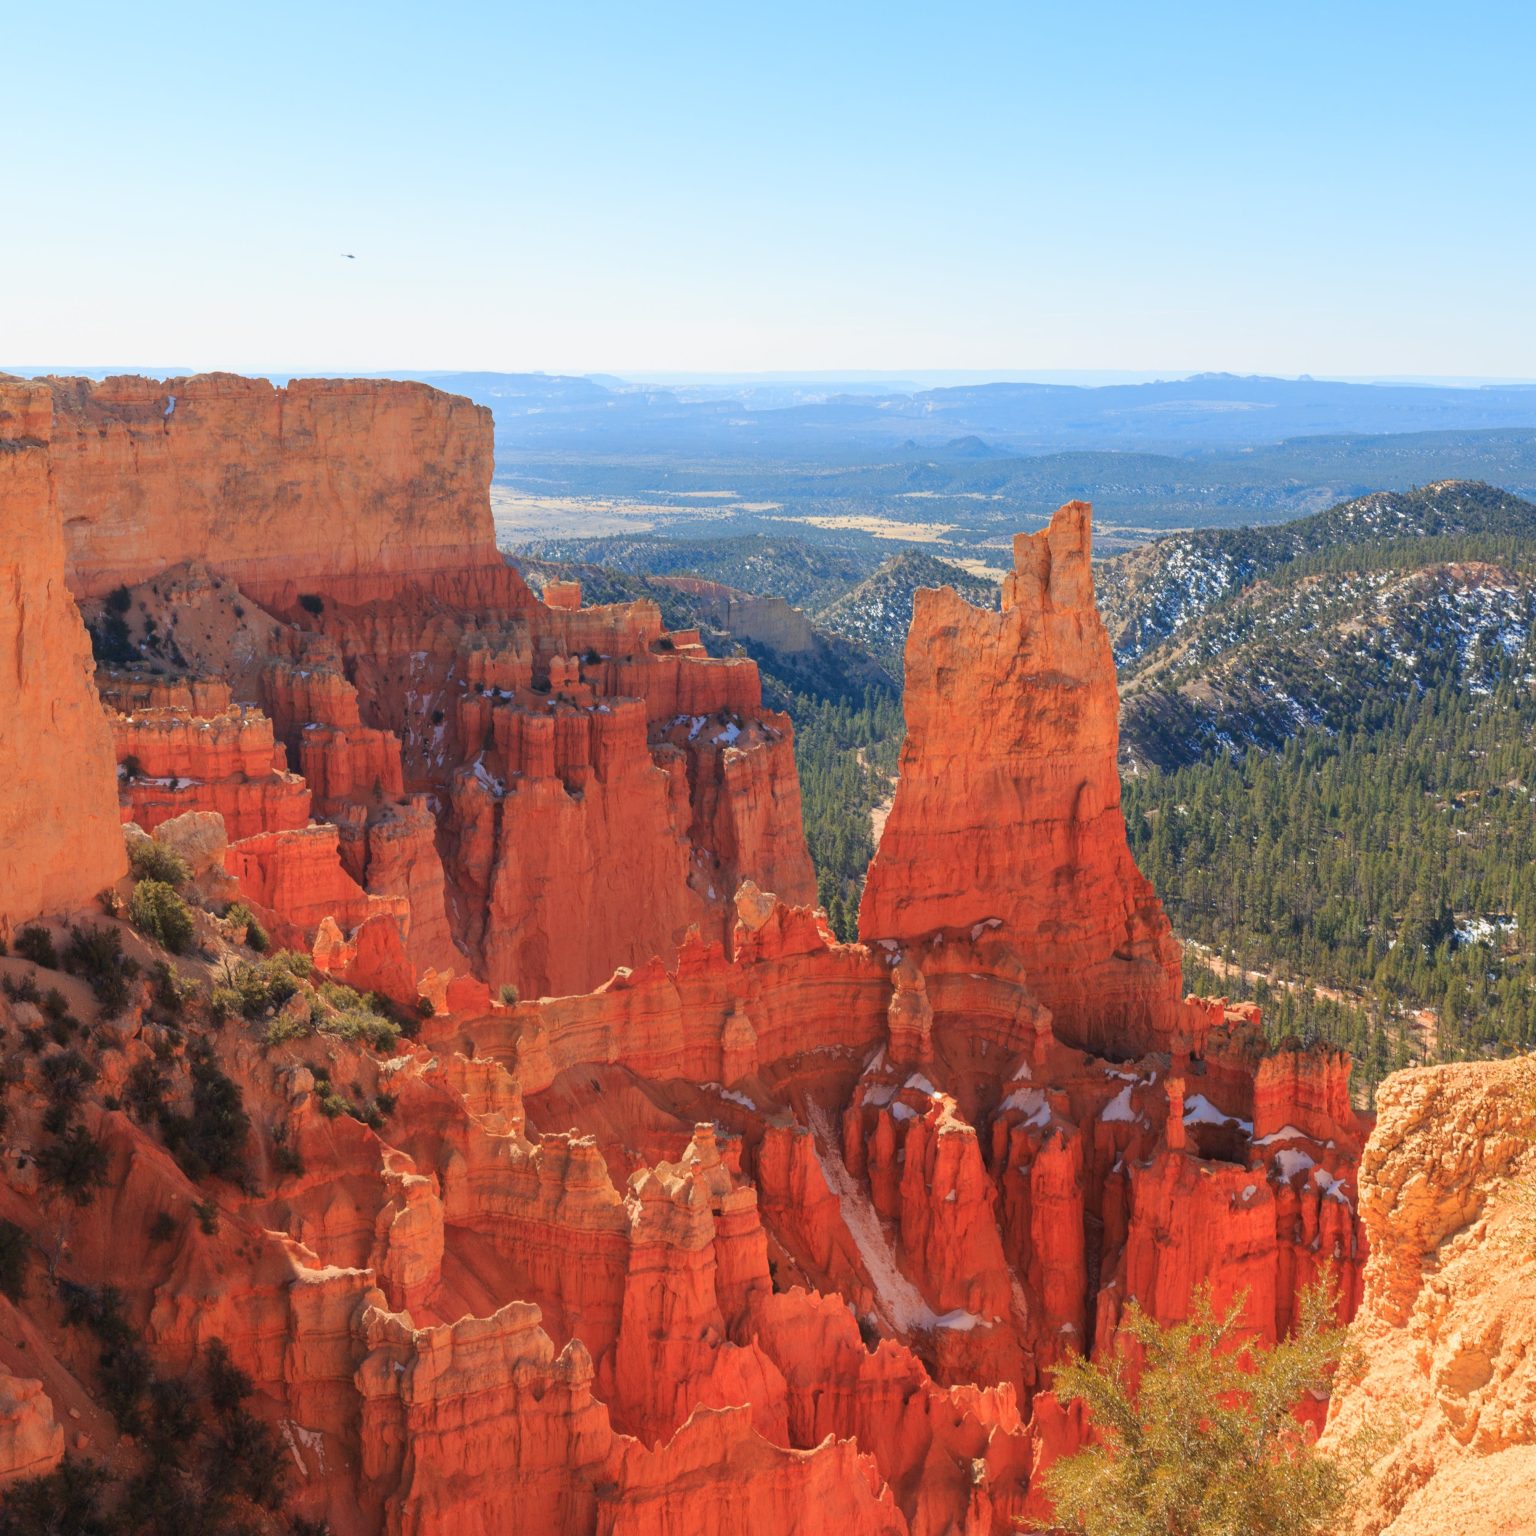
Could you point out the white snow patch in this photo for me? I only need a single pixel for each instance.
(1291, 1161)
(1031, 1102)
(1119, 1107)
(900, 1300)
(1285, 1133)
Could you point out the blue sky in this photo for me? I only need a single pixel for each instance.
(1333, 189)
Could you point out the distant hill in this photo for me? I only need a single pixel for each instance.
(1244, 638)
(1150, 593)
(1190, 415)
(808, 575)
(878, 611)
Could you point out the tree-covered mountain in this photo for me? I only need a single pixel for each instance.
(1150, 593)
(1329, 736)
(878, 611)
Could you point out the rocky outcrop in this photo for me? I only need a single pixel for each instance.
(1437, 1395)
(768, 620)
(171, 761)
(1008, 805)
(317, 487)
(59, 838)
(31, 1439)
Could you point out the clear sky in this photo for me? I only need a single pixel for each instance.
(1343, 188)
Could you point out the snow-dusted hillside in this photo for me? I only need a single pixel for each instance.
(1151, 594)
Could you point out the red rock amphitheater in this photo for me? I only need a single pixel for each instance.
(708, 1224)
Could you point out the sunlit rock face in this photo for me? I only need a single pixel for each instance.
(59, 843)
(1008, 806)
(718, 1224)
(1441, 1393)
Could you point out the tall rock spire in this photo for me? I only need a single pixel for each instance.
(1008, 805)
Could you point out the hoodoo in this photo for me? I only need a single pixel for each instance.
(1007, 811)
(714, 1223)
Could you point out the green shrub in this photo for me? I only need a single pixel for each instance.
(207, 1214)
(150, 860)
(14, 1247)
(509, 994)
(312, 602)
(162, 916)
(65, 1077)
(286, 1027)
(96, 956)
(163, 1228)
(359, 1024)
(68, 1499)
(75, 1163)
(1203, 1446)
(144, 1092)
(35, 943)
(256, 937)
(22, 989)
(171, 990)
(211, 1139)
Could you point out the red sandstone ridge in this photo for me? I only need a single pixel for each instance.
(352, 485)
(59, 844)
(756, 1231)
(1008, 806)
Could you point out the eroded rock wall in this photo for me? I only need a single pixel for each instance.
(339, 486)
(1437, 1400)
(59, 837)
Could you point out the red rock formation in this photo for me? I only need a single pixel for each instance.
(1008, 805)
(171, 761)
(316, 487)
(298, 877)
(31, 1440)
(757, 1230)
(59, 843)
(1442, 1402)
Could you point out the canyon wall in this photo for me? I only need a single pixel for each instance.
(344, 486)
(1436, 1401)
(59, 839)
(759, 1229)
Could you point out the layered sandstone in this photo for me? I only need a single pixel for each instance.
(341, 486)
(1008, 805)
(171, 761)
(59, 843)
(1438, 1393)
(758, 1230)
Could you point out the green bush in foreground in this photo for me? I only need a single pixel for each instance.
(1203, 1447)
(150, 860)
(162, 916)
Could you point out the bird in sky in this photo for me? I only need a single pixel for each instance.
(349, 256)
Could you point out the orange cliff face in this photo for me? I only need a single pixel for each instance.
(402, 667)
(1008, 806)
(59, 841)
(317, 486)
(760, 1230)
(1445, 1340)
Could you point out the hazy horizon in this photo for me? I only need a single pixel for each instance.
(897, 380)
